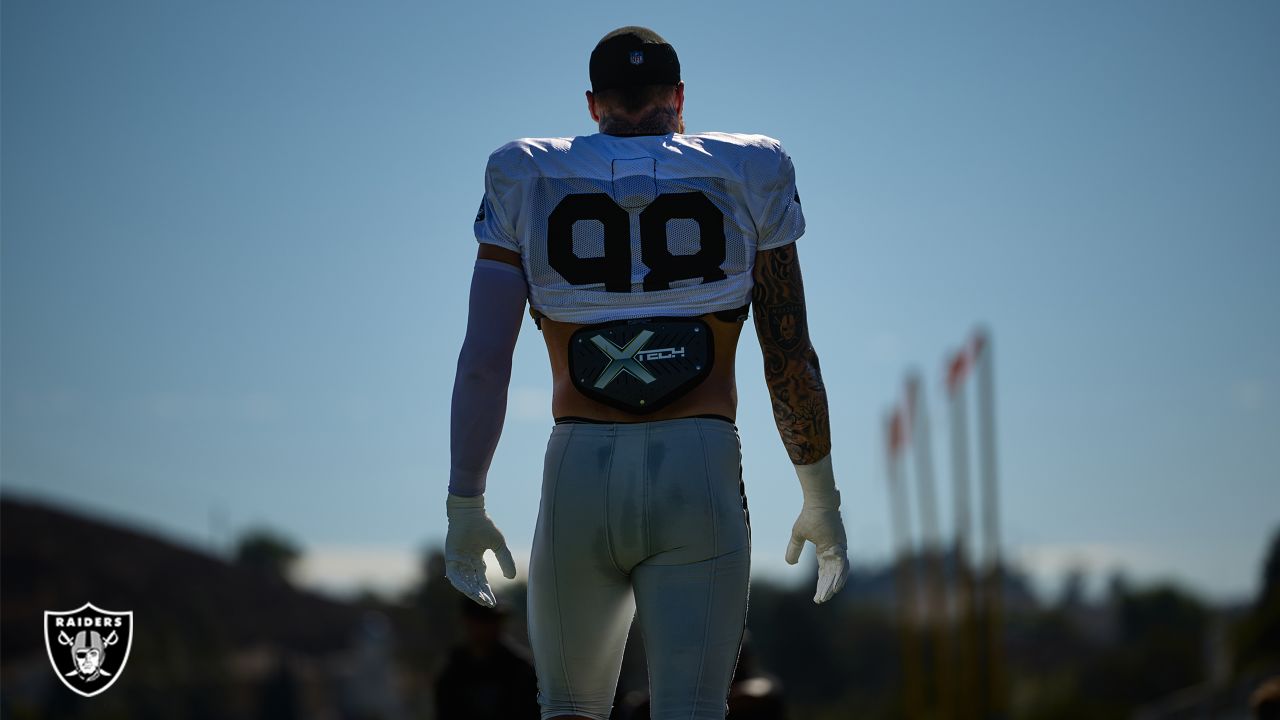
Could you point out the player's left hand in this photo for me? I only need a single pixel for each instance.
(820, 523)
(825, 529)
(471, 532)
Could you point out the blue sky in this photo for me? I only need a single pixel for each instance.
(237, 245)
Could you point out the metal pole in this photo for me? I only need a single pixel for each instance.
(904, 568)
(970, 663)
(991, 522)
(932, 547)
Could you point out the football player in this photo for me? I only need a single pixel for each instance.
(639, 250)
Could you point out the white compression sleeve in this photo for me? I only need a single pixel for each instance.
(498, 294)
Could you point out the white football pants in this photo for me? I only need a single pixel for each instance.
(645, 519)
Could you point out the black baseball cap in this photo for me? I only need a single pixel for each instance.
(632, 56)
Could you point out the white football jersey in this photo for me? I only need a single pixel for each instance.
(613, 228)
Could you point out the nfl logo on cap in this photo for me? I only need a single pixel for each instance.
(637, 57)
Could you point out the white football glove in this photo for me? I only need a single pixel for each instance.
(471, 532)
(820, 524)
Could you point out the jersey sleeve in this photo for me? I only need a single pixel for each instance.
(493, 221)
(781, 221)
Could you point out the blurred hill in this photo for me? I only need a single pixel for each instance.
(55, 560)
(213, 639)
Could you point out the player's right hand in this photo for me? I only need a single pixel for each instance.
(471, 532)
(820, 523)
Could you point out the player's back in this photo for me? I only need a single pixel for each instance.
(612, 227)
(616, 233)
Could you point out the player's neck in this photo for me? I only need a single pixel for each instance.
(654, 121)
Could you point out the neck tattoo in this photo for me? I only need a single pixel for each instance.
(657, 121)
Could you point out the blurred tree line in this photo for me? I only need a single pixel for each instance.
(1131, 650)
(1257, 637)
(1115, 656)
(234, 638)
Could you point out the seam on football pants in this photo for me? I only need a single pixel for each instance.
(555, 574)
(746, 603)
(608, 484)
(711, 591)
(644, 494)
(711, 492)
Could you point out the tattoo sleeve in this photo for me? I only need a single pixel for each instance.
(790, 362)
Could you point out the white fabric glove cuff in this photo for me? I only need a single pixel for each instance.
(460, 502)
(818, 484)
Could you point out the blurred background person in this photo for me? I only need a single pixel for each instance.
(487, 677)
(1265, 702)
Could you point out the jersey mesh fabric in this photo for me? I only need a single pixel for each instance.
(748, 179)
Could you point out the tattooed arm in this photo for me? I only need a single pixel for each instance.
(800, 409)
(790, 362)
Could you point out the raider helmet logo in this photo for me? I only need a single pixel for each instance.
(88, 646)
